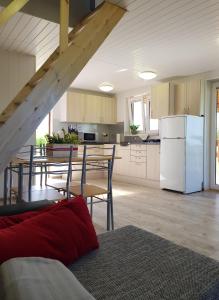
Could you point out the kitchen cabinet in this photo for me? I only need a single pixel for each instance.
(76, 105)
(187, 95)
(92, 112)
(161, 100)
(153, 162)
(90, 108)
(138, 162)
(180, 98)
(108, 110)
(122, 166)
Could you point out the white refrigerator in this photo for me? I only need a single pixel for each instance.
(181, 157)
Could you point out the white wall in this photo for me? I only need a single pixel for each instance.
(16, 70)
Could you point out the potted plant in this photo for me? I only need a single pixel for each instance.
(134, 128)
(58, 145)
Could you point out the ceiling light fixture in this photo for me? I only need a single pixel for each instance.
(147, 75)
(106, 87)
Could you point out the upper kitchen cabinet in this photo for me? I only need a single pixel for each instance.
(187, 96)
(75, 107)
(161, 100)
(92, 109)
(108, 110)
(84, 107)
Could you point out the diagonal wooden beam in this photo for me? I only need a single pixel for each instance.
(35, 103)
(64, 21)
(10, 10)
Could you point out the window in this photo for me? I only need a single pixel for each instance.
(137, 114)
(43, 129)
(140, 114)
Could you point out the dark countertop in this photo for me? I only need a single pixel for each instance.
(121, 144)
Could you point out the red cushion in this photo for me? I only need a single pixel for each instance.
(64, 233)
(7, 221)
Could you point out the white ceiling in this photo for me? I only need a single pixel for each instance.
(31, 35)
(171, 37)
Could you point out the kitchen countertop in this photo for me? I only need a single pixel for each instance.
(121, 144)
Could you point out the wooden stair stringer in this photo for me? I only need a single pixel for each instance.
(44, 69)
(39, 99)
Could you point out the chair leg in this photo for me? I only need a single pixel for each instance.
(91, 207)
(111, 211)
(108, 213)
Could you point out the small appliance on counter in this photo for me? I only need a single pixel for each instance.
(120, 138)
(88, 137)
(181, 155)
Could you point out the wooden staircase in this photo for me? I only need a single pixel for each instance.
(26, 111)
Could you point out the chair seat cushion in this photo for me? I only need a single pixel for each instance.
(64, 233)
(88, 190)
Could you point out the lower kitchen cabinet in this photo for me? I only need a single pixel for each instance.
(138, 163)
(122, 166)
(138, 169)
(153, 162)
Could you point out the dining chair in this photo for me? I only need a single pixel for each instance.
(92, 192)
(31, 192)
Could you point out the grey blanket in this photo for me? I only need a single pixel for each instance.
(132, 264)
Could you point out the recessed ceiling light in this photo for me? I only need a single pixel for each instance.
(106, 87)
(122, 70)
(147, 75)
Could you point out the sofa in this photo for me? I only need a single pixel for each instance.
(132, 263)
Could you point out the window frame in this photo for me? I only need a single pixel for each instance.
(146, 117)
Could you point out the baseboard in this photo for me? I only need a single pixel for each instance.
(137, 181)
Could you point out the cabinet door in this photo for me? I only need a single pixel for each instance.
(193, 96)
(153, 162)
(180, 98)
(92, 109)
(160, 100)
(108, 110)
(122, 166)
(139, 169)
(76, 104)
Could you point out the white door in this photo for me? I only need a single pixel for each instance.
(214, 145)
(172, 164)
(173, 127)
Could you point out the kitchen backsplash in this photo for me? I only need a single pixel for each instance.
(105, 133)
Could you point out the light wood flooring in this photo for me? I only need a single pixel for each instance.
(188, 220)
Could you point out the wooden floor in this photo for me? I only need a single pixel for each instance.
(188, 220)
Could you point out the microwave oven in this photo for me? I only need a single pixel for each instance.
(87, 136)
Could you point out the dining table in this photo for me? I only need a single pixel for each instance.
(18, 165)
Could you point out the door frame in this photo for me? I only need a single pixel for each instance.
(213, 134)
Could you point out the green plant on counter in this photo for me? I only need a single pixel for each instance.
(40, 141)
(134, 128)
(63, 138)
